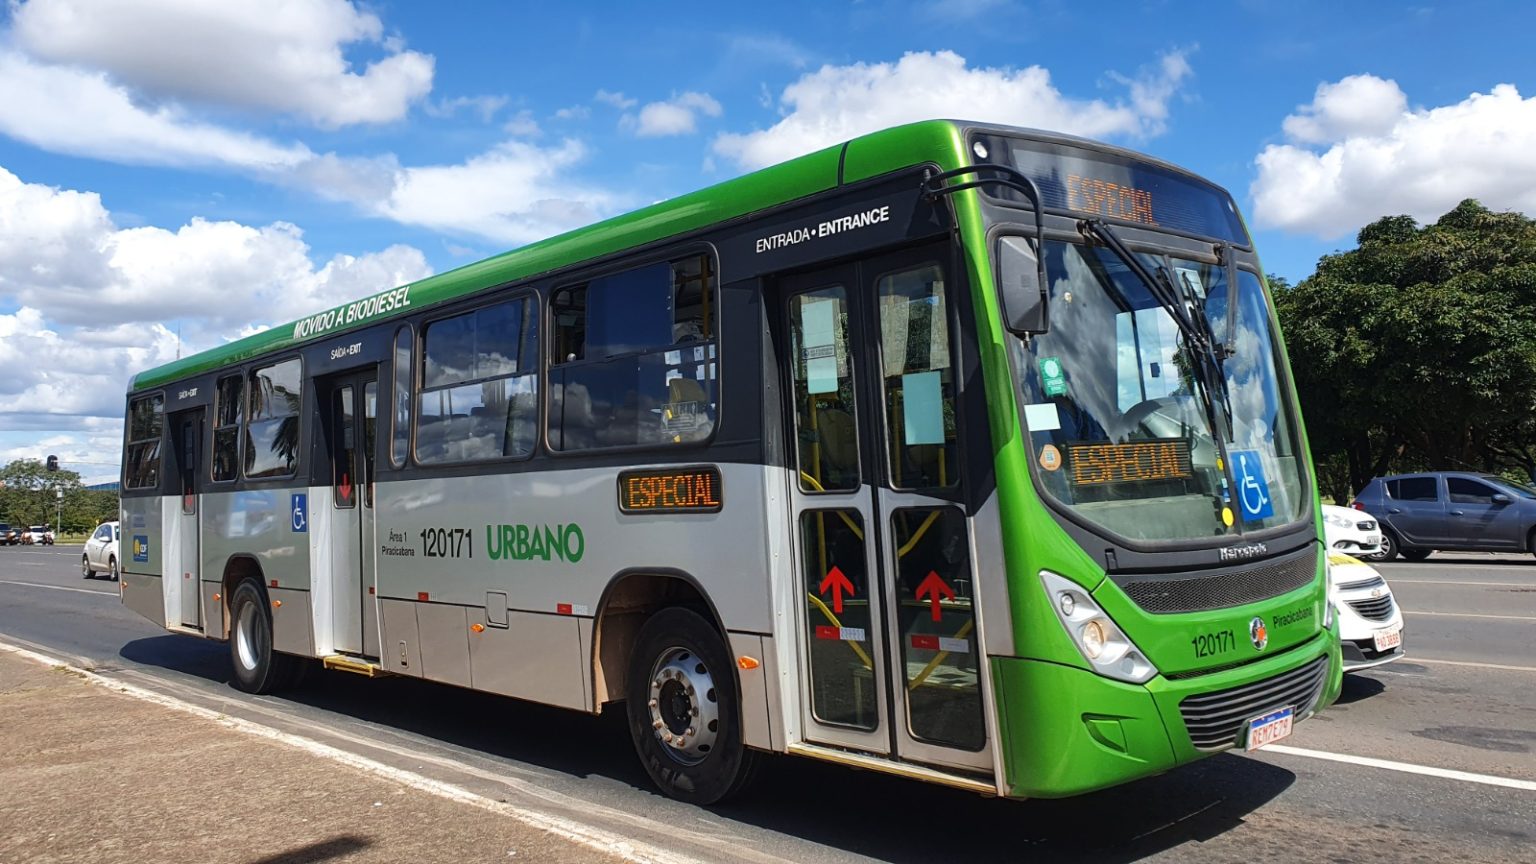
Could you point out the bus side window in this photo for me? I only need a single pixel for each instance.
(479, 385)
(633, 357)
(272, 430)
(146, 424)
(227, 410)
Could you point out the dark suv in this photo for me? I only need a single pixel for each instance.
(9, 536)
(1454, 510)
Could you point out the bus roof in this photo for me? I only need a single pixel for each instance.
(937, 141)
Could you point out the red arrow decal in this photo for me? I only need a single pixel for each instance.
(935, 588)
(838, 583)
(345, 489)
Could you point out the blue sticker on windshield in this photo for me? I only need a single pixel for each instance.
(1252, 488)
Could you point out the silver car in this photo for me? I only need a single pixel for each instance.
(100, 555)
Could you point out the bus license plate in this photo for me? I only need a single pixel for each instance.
(1389, 639)
(1269, 728)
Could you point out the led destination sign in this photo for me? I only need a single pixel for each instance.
(670, 490)
(1131, 462)
(1114, 185)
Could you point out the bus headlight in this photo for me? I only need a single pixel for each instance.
(1328, 612)
(1102, 643)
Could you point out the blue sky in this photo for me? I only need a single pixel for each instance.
(209, 168)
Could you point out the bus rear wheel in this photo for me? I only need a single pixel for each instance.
(684, 710)
(257, 667)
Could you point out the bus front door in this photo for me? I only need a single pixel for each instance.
(184, 570)
(882, 534)
(349, 407)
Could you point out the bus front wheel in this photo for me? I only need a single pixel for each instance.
(684, 710)
(258, 668)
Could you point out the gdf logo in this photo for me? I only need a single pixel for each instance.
(1257, 634)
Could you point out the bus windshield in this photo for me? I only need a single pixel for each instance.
(1115, 411)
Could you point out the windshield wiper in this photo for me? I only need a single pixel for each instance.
(1189, 317)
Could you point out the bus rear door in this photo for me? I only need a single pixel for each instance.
(348, 404)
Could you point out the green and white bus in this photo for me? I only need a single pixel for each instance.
(960, 452)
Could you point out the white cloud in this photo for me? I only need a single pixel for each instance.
(836, 103)
(1358, 105)
(284, 56)
(676, 116)
(617, 100)
(514, 193)
(94, 302)
(1359, 153)
(485, 106)
(67, 110)
(522, 125)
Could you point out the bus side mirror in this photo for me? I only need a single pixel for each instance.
(1022, 286)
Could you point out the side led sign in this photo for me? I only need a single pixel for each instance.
(695, 489)
(1131, 462)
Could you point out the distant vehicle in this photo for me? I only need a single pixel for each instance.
(100, 553)
(9, 536)
(38, 535)
(1449, 510)
(1350, 531)
(1370, 624)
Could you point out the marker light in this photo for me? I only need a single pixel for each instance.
(1102, 643)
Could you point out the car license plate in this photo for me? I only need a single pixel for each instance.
(1386, 640)
(1270, 728)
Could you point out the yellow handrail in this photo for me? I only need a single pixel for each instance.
(863, 657)
(939, 657)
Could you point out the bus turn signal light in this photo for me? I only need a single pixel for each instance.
(746, 662)
(477, 627)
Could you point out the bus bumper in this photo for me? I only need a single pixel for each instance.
(1065, 730)
(143, 594)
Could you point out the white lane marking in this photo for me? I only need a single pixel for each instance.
(585, 835)
(1405, 767)
(1398, 580)
(1417, 659)
(59, 588)
(1472, 615)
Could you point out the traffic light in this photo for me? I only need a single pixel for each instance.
(53, 463)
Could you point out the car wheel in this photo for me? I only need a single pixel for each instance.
(257, 667)
(1388, 549)
(112, 568)
(684, 710)
(1416, 554)
(85, 567)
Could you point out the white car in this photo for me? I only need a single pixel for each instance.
(1370, 624)
(1352, 532)
(100, 553)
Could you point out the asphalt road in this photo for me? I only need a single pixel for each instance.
(1463, 700)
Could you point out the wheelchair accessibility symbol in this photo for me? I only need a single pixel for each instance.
(300, 513)
(1252, 488)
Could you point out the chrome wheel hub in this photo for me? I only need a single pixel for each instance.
(685, 710)
(248, 637)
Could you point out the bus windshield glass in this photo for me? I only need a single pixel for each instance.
(1119, 424)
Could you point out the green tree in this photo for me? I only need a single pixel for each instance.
(1417, 349)
(28, 491)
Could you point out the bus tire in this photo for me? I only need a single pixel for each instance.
(684, 709)
(257, 667)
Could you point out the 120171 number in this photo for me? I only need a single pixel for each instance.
(448, 542)
(1211, 644)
